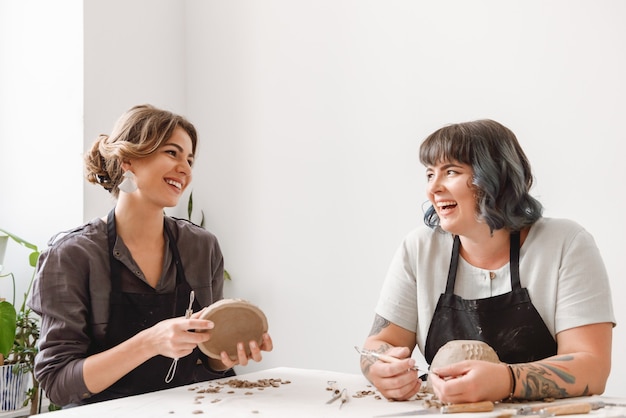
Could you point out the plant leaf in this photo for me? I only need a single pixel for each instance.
(32, 258)
(190, 206)
(8, 325)
(20, 240)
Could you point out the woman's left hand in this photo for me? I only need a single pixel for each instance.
(255, 352)
(471, 381)
(242, 357)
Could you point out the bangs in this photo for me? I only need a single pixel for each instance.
(449, 143)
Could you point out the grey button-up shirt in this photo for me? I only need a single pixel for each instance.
(71, 294)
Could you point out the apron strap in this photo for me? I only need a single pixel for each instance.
(180, 271)
(513, 262)
(116, 282)
(454, 261)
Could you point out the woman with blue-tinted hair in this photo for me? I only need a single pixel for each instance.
(487, 266)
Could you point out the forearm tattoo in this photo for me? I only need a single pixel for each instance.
(379, 324)
(546, 379)
(377, 327)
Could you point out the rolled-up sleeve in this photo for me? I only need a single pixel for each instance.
(61, 296)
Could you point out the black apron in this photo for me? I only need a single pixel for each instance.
(509, 323)
(130, 313)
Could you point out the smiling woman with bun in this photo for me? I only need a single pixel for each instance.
(113, 293)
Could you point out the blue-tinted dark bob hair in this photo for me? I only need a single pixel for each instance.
(502, 176)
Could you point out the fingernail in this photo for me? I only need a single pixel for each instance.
(210, 325)
(240, 346)
(253, 344)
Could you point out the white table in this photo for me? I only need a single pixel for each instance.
(301, 393)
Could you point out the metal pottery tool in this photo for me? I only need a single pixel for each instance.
(337, 394)
(172, 371)
(382, 357)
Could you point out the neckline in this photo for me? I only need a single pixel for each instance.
(497, 271)
(514, 239)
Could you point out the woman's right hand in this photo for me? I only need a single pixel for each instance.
(397, 380)
(175, 337)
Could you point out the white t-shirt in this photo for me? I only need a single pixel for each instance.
(559, 264)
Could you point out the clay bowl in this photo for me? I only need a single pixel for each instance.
(459, 350)
(236, 320)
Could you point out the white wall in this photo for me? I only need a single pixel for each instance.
(40, 127)
(134, 54)
(310, 115)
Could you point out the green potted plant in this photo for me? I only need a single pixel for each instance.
(19, 332)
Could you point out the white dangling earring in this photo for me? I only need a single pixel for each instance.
(128, 185)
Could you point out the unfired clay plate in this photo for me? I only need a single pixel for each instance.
(236, 320)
